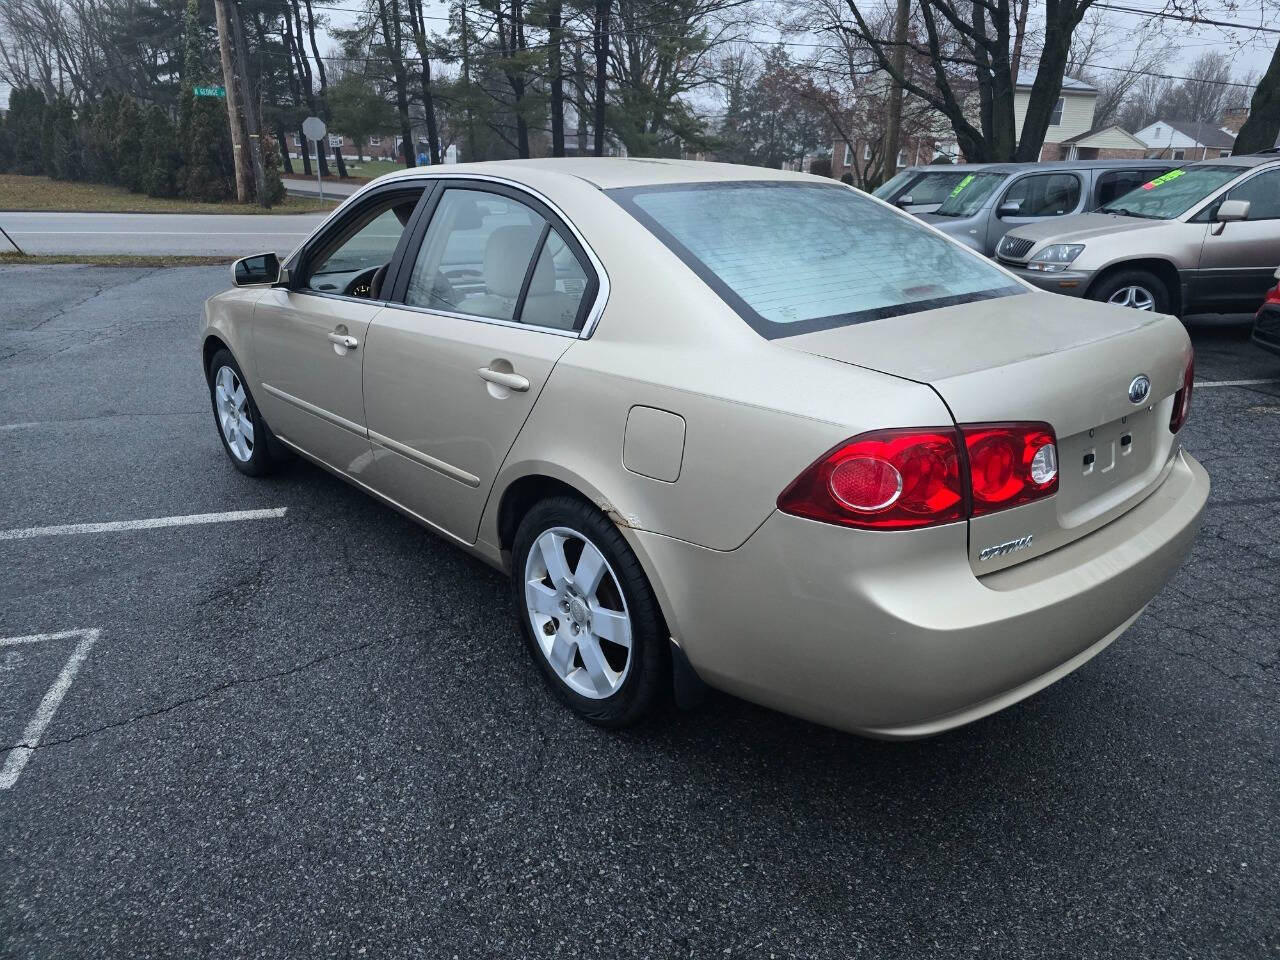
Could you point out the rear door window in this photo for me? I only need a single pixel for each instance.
(1116, 183)
(795, 257)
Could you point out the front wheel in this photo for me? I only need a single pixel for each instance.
(245, 435)
(1137, 289)
(588, 613)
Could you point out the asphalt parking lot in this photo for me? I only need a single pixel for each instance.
(313, 731)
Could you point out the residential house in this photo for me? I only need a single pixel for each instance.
(1184, 140)
(1109, 143)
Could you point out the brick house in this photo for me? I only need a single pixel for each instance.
(1108, 143)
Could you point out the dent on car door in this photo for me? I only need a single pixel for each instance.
(308, 337)
(491, 296)
(1238, 260)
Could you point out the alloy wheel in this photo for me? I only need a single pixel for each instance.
(232, 403)
(578, 613)
(1139, 298)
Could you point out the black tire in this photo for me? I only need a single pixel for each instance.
(266, 453)
(1125, 280)
(648, 676)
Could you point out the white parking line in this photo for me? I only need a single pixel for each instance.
(186, 520)
(22, 752)
(1201, 384)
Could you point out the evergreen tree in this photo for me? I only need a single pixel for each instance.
(100, 160)
(60, 138)
(208, 168)
(160, 158)
(6, 147)
(126, 145)
(25, 125)
(271, 167)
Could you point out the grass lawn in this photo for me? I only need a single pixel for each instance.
(356, 171)
(41, 193)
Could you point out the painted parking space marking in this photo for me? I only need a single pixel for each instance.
(1201, 384)
(40, 720)
(185, 520)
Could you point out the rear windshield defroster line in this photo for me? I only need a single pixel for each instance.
(793, 257)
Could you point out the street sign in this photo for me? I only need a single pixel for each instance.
(313, 128)
(210, 92)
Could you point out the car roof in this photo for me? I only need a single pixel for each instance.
(608, 173)
(1048, 165)
(1244, 161)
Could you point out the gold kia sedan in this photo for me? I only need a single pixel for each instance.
(727, 425)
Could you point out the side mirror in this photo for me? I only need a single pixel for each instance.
(1010, 208)
(1231, 211)
(256, 270)
(903, 201)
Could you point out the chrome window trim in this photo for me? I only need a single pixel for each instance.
(474, 318)
(602, 292)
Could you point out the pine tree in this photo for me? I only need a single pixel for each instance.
(25, 124)
(6, 147)
(60, 138)
(100, 160)
(208, 170)
(160, 158)
(126, 145)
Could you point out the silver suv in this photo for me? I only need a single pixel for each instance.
(1200, 239)
(990, 199)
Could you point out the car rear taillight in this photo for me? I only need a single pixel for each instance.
(908, 478)
(887, 480)
(1010, 464)
(1182, 399)
(1273, 295)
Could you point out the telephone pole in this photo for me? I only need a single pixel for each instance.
(233, 101)
(252, 119)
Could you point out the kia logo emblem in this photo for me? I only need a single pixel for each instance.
(1140, 389)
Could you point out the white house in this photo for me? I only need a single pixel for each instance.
(1183, 140)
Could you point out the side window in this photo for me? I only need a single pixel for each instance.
(484, 251)
(1116, 183)
(1045, 195)
(1263, 194)
(348, 260)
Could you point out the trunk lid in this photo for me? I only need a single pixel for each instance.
(1040, 357)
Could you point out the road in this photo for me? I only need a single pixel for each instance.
(315, 732)
(157, 234)
(304, 187)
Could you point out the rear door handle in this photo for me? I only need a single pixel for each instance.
(342, 340)
(512, 381)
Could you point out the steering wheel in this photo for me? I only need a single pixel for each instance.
(361, 285)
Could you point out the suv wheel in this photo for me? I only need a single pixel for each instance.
(1137, 289)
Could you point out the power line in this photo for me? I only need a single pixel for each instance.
(1185, 18)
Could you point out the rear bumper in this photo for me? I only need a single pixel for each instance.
(1072, 283)
(891, 634)
(1266, 329)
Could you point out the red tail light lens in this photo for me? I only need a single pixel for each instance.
(1182, 399)
(1273, 295)
(902, 479)
(887, 480)
(1010, 464)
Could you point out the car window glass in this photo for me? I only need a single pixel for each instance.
(891, 187)
(1044, 195)
(557, 287)
(1116, 183)
(361, 246)
(967, 197)
(1172, 194)
(933, 187)
(752, 243)
(475, 255)
(1263, 194)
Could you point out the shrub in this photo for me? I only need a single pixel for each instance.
(25, 125)
(161, 161)
(271, 168)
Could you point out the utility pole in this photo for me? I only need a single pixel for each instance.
(252, 120)
(893, 124)
(233, 101)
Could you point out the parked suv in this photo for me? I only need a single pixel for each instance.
(922, 189)
(990, 199)
(1203, 238)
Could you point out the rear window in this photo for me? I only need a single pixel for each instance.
(791, 258)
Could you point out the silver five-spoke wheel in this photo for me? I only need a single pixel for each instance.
(578, 613)
(232, 403)
(1139, 298)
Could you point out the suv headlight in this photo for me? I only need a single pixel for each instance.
(1055, 257)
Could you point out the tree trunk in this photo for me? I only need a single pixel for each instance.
(391, 35)
(1263, 126)
(601, 49)
(580, 103)
(469, 119)
(1019, 35)
(231, 85)
(417, 19)
(252, 121)
(306, 153)
(342, 166)
(284, 149)
(555, 77)
(893, 124)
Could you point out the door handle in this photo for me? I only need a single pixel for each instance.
(512, 381)
(342, 340)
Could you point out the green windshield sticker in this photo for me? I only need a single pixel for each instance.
(1171, 175)
(961, 185)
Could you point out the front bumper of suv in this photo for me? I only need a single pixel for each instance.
(1071, 283)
